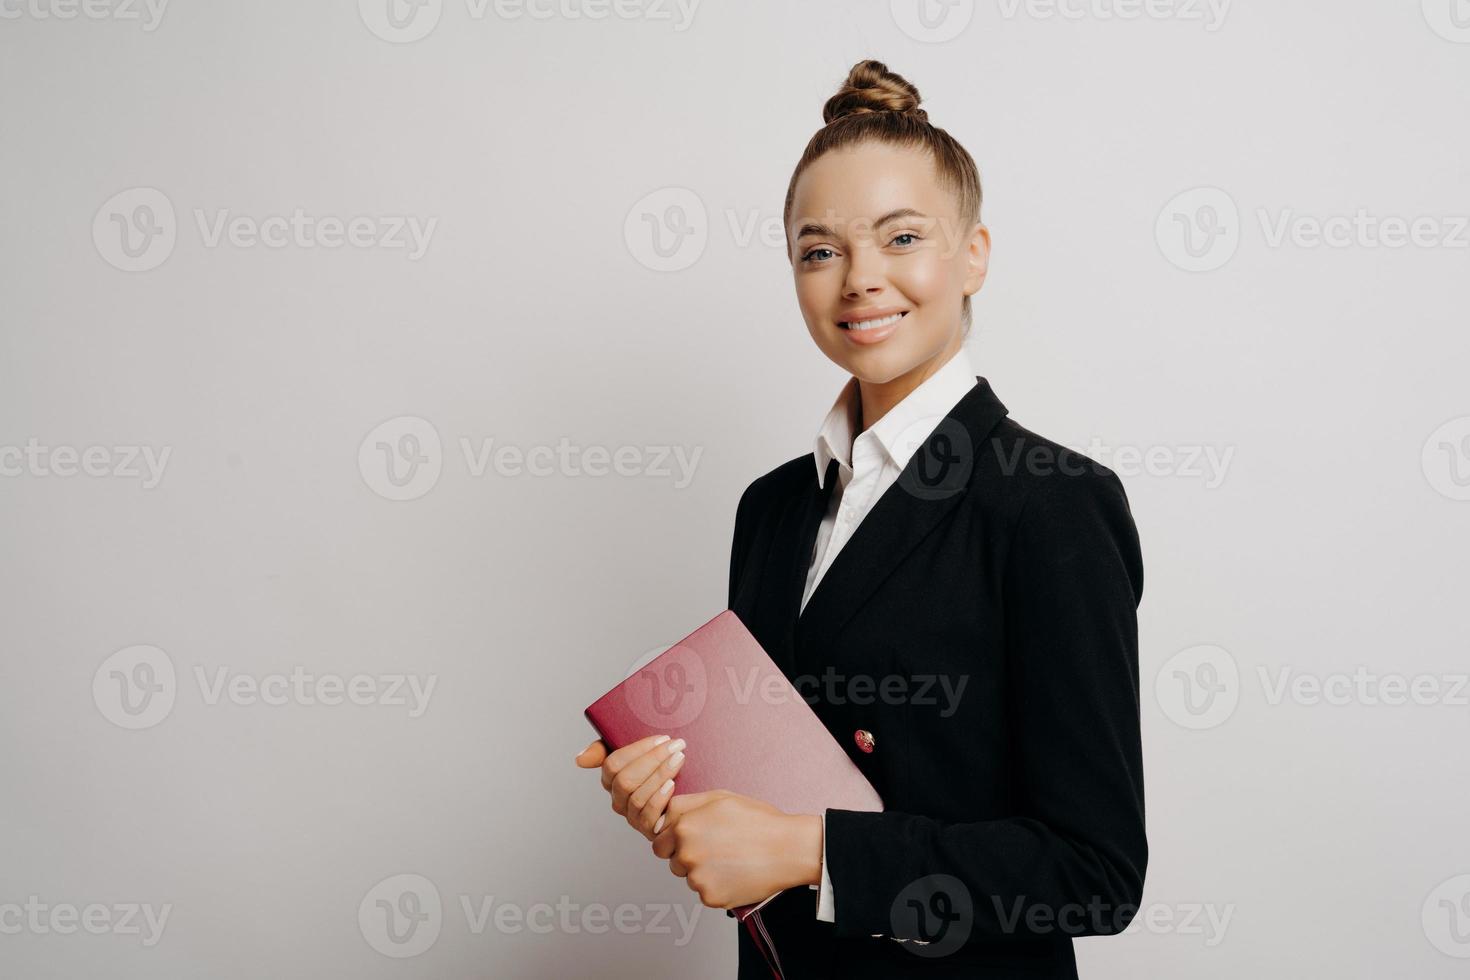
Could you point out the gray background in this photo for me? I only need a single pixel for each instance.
(1332, 835)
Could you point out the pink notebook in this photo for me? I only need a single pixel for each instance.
(749, 731)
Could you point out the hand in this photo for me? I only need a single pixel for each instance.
(736, 850)
(639, 776)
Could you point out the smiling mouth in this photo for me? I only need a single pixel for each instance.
(878, 324)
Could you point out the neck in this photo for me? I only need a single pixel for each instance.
(877, 398)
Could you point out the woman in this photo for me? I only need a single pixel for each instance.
(957, 596)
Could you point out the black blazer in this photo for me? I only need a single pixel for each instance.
(978, 635)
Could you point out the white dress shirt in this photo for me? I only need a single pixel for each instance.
(866, 467)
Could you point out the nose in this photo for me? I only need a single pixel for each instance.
(864, 273)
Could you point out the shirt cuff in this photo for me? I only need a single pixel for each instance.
(826, 904)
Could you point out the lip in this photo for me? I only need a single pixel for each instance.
(866, 337)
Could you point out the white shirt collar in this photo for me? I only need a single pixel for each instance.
(897, 432)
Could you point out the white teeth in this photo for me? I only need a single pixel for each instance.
(875, 324)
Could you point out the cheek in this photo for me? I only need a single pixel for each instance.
(815, 293)
(928, 278)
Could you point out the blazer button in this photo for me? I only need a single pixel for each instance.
(864, 739)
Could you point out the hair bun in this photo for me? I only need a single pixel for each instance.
(871, 87)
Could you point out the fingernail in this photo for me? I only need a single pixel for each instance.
(660, 825)
(677, 746)
(668, 785)
(676, 760)
(660, 740)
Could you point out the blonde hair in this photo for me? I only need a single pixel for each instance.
(877, 105)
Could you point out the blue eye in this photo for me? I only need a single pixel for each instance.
(808, 256)
(907, 234)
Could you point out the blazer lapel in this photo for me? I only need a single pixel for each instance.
(795, 536)
(935, 479)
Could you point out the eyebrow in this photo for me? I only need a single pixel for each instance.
(822, 231)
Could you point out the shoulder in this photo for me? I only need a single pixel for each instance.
(1063, 506)
(1037, 471)
(778, 484)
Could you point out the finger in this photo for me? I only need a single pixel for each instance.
(618, 760)
(663, 842)
(638, 772)
(674, 810)
(646, 804)
(592, 756)
(684, 802)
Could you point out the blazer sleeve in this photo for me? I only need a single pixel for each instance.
(740, 544)
(1075, 842)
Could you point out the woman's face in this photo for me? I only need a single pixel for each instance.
(874, 233)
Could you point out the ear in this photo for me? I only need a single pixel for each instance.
(977, 259)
